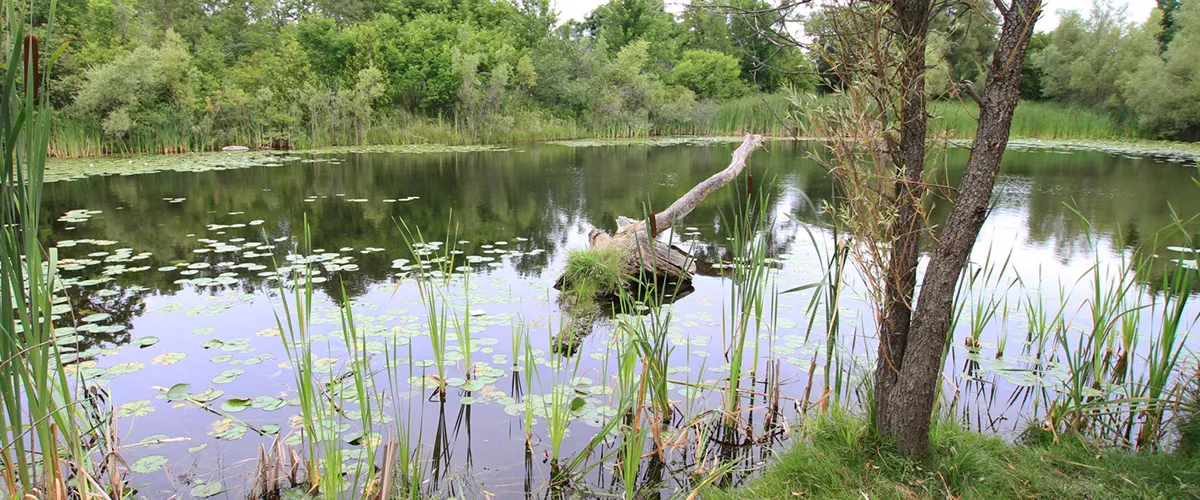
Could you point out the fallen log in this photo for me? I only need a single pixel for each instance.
(637, 239)
(645, 263)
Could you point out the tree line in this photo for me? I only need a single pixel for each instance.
(175, 75)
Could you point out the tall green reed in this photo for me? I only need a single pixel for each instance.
(41, 435)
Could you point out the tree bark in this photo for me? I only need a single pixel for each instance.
(908, 406)
(912, 19)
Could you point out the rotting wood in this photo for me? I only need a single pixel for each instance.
(636, 238)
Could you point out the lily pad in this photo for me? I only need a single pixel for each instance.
(168, 359)
(235, 405)
(126, 368)
(209, 489)
(178, 392)
(135, 409)
(146, 465)
(228, 376)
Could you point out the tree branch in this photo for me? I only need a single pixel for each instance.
(684, 205)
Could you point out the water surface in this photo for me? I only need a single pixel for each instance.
(170, 278)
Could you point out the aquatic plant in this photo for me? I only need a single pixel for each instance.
(43, 430)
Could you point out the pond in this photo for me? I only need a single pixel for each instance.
(171, 278)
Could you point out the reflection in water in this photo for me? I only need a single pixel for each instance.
(207, 289)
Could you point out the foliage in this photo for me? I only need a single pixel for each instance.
(710, 74)
(1089, 61)
(1165, 91)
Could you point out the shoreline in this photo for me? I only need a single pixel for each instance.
(67, 169)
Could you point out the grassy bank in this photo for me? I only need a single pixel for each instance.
(772, 114)
(840, 458)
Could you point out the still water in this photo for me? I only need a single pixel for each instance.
(170, 279)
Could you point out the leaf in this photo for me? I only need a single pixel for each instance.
(268, 403)
(205, 490)
(209, 394)
(228, 376)
(126, 368)
(168, 359)
(146, 341)
(146, 465)
(233, 433)
(270, 429)
(135, 409)
(235, 405)
(802, 288)
(95, 318)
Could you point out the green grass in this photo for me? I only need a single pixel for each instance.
(594, 268)
(840, 458)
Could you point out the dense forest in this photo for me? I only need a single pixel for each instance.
(178, 75)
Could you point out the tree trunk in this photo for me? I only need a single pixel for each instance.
(900, 276)
(908, 404)
(637, 240)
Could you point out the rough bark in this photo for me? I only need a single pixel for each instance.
(643, 251)
(909, 403)
(912, 19)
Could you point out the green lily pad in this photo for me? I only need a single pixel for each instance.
(268, 403)
(233, 433)
(146, 465)
(207, 395)
(135, 409)
(228, 376)
(209, 489)
(126, 368)
(95, 318)
(146, 341)
(167, 359)
(178, 392)
(235, 405)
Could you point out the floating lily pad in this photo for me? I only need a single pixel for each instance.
(178, 392)
(95, 318)
(268, 403)
(228, 376)
(209, 489)
(168, 359)
(146, 465)
(135, 409)
(235, 405)
(207, 395)
(146, 341)
(126, 368)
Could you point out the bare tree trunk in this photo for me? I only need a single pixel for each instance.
(912, 18)
(636, 239)
(907, 411)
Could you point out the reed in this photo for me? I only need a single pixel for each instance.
(433, 279)
(749, 283)
(41, 430)
(320, 418)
